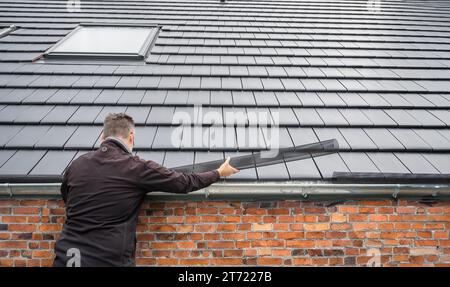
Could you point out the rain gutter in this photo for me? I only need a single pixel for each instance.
(290, 190)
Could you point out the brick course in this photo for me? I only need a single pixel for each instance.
(289, 233)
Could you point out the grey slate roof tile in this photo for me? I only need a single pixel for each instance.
(288, 99)
(328, 164)
(5, 155)
(303, 169)
(308, 116)
(8, 132)
(358, 162)
(138, 113)
(132, 97)
(416, 163)
(167, 138)
(21, 162)
(272, 172)
(383, 139)
(108, 97)
(85, 115)
(357, 139)
(53, 162)
(55, 137)
(410, 139)
(439, 161)
(59, 115)
(154, 97)
(388, 163)
(84, 137)
(107, 110)
(144, 137)
(309, 99)
(85, 96)
(160, 115)
(332, 117)
(433, 138)
(27, 137)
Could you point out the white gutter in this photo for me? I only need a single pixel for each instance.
(264, 190)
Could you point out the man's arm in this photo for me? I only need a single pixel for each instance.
(155, 177)
(64, 187)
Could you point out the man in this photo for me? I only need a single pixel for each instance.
(103, 191)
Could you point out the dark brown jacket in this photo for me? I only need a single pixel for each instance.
(103, 191)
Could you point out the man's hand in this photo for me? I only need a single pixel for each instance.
(226, 169)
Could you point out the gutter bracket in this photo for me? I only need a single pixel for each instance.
(396, 191)
(10, 190)
(306, 191)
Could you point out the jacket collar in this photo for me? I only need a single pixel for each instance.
(118, 142)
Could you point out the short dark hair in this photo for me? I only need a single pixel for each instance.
(117, 124)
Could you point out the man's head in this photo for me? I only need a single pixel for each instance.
(119, 125)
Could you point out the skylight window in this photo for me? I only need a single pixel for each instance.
(105, 41)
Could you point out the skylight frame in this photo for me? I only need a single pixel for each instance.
(144, 50)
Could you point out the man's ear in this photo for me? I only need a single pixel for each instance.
(102, 137)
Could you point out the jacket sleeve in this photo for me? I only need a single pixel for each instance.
(64, 187)
(155, 177)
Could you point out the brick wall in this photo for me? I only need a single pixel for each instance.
(289, 233)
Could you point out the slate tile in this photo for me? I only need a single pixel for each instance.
(387, 162)
(332, 117)
(199, 98)
(243, 99)
(27, 137)
(383, 139)
(308, 117)
(288, 99)
(85, 115)
(107, 82)
(131, 97)
(149, 82)
(109, 97)
(358, 162)
(303, 169)
(410, 139)
(402, 118)
(144, 137)
(221, 98)
(8, 132)
(309, 99)
(332, 133)
(357, 139)
(434, 138)
(416, 163)
(439, 161)
(62, 96)
(331, 99)
(53, 163)
(85, 96)
(252, 84)
(273, 172)
(153, 97)
(167, 138)
(231, 83)
(33, 114)
(374, 100)
(5, 155)
(160, 115)
(328, 164)
(176, 97)
(21, 162)
(355, 117)
(55, 137)
(190, 83)
(84, 137)
(59, 115)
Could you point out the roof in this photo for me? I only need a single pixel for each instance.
(373, 75)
